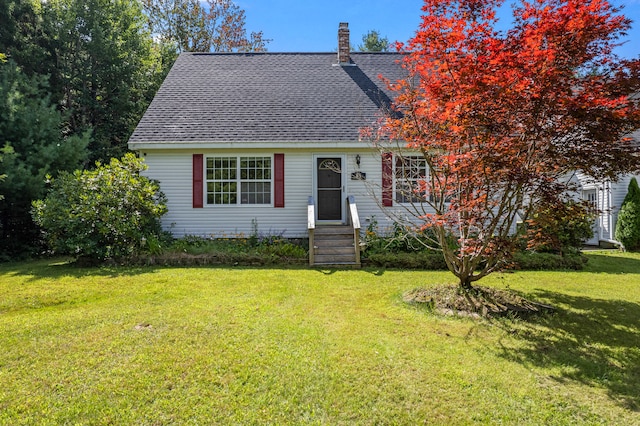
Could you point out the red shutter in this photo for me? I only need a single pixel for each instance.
(387, 179)
(198, 189)
(278, 183)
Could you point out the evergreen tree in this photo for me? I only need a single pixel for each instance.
(3, 58)
(23, 37)
(628, 224)
(374, 42)
(33, 145)
(105, 68)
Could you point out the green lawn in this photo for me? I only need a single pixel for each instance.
(204, 345)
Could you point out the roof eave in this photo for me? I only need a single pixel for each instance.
(208, 145)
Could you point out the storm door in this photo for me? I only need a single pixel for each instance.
(329, 189)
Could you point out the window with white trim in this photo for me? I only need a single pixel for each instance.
(234, 180)
(410, 174)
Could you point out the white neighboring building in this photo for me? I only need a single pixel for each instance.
(607, 197)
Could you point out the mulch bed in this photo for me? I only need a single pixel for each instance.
(478, 302)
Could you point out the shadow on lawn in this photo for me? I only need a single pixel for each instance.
(57, 268)
(592, 341)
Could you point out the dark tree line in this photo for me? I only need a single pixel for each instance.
(75, 78)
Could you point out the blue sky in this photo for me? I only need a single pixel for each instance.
(312, 25)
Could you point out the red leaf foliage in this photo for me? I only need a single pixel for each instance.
(502, 116)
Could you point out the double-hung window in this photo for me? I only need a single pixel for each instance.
(235, 180)
(410, 174)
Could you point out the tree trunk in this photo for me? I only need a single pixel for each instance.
(465, 283)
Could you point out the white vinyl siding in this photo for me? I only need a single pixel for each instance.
(173, 168)
(608, 198)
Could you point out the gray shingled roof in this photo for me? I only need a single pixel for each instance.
(270, 97)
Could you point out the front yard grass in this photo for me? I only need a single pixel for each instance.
(214, 345)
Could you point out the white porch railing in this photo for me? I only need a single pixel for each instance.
(311, 226)
(354, 220)
(355, 224)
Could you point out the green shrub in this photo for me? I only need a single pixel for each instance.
(239, 250)
(405, 250)
(399, 239)
(523, 260)
(628, 224)
(425, 260)
(402, 248)
(195, 245)
(285, 250)
(560, 227)
(533, 261)
(109, 212)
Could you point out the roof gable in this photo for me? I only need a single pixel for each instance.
(267, 97)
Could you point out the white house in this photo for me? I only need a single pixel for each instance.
(607, 198)
(241, 139)
(244, 139)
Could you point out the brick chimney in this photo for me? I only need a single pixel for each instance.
(344, 44)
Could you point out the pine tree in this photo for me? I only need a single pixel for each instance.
(32, 145)
(372, 41)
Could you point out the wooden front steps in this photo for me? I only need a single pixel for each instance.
(334, 246)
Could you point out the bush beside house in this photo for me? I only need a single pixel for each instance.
(560, 227)
(558, 244)
(107, 213)
(628, 225)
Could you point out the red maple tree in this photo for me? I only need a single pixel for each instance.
(502, 117)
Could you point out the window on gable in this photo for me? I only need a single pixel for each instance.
(238, 180)
(410, 173)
